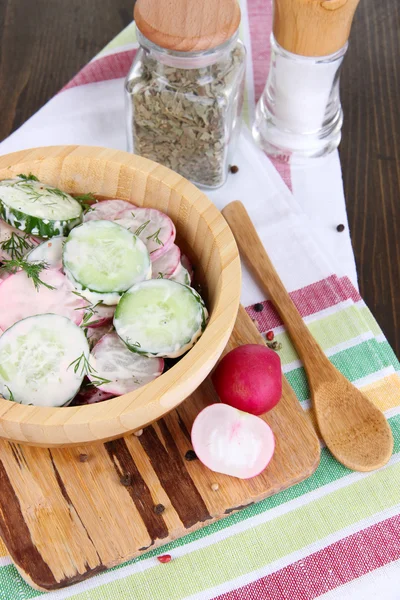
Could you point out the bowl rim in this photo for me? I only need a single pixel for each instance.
(119, 416)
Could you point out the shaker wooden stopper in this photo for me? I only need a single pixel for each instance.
(187, 25)
(313, 27)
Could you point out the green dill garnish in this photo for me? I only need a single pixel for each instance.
(32, 270)
(16, 245)
(82, 366)
(11, 394)
(160, 275)
(29, 177)
(155, 237)
(141, 228)
(90, 311)
(86, 201)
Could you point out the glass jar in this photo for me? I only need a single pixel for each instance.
(184, 108)
(299, 115)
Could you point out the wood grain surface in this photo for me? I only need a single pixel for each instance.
(203, 236)
(104, 509)
(353, 428)
(43, 44)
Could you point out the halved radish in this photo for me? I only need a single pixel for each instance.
(50, 251)
(153, 227)
(126, 371)
(230, 441)
(20, 299)
(90, 395)
(186, 264)
(166, 264)
(107, 210)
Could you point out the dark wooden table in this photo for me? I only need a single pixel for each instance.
(43, 43)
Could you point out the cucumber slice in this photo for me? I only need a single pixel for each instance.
(42, 360)
(160, 318)
(37, 208)
(49, 252)
(123, 370)
(105, 259)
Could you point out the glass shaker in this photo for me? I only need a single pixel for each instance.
(184, 92)
(299, 114)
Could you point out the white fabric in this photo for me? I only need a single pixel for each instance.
(93, 114)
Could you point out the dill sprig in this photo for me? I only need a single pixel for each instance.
(83, 367)
(32, 270)
(29, 177)
(16, 246)
(11, 398)
(90, 311)
(155, 237)
(141, 228)
(86, 201)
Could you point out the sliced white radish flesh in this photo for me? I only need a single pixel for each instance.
(166, 264)
(94, 334)
(126, 371)
(13, 242)
(50, 251)
(98, 315)
(186, 264)
(43, 360)
(153, 227)
(20, 299)
(230, 441)
(107, 210)
(90, 395)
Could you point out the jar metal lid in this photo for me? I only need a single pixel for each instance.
(187, 25)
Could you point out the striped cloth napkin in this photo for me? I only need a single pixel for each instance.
(337, 534)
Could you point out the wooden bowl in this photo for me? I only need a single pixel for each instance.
(202, 232)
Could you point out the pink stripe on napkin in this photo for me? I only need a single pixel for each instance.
(329, 568)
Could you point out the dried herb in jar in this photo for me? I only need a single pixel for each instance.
(186, 117)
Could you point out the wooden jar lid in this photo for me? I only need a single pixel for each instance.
(313, 27)
(187, 25)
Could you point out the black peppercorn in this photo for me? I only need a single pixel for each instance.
(234, 169)
(83, 457)
(191, 455)
(258, 307)
(340, 228)
(159, 508)
(126, 479)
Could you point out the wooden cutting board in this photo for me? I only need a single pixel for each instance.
(63, 520)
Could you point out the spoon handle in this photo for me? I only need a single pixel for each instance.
(260, 265)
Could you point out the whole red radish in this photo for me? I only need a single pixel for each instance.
(249, 378)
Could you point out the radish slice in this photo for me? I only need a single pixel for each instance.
(126, 370)
(90, 395)
(107, 210)
(230, 441)
(153, 227)
(166, 264)
(98, 315)
(20, 299)
(186, 264)
(94, 334)
(10, 246)
(50, 251)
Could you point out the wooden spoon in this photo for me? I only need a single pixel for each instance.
(355, 431)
